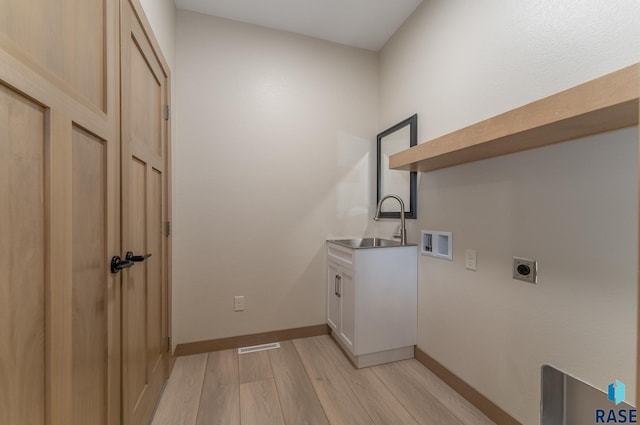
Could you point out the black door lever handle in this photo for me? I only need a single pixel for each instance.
(136, 258)
(118, 264)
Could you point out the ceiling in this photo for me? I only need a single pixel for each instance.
(360, 23)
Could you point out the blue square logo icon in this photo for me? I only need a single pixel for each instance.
(616, 392)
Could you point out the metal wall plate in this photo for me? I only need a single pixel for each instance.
(525, 270)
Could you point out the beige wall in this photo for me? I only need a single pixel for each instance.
(274, 154)
(571, 206)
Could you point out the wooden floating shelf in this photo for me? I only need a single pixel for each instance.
(604, 104)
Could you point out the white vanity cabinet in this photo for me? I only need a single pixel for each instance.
(372, 301)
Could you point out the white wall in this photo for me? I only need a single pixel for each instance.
(571, 206)
(274, 154)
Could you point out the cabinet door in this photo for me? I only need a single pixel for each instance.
(346, 291)
(333, 301)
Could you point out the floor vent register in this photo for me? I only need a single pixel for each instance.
(261, 347)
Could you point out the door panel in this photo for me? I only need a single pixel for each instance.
(347, 298)
(89, 291)
(56, 296)
(22, 260)
(134, 288)
(333, 302)
(157, 346)
(144, 209)
(65, 39)
(146, 100)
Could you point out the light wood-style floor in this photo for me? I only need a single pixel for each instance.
(307, 381)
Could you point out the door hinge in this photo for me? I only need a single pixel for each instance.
(167, 112)
(167, 228)
(169, 344)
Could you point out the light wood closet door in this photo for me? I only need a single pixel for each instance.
(59, 213)
(144, 190)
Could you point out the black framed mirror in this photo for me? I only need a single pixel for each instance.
(397, 182)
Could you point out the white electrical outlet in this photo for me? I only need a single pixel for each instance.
(470, 256)
(238, 303)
